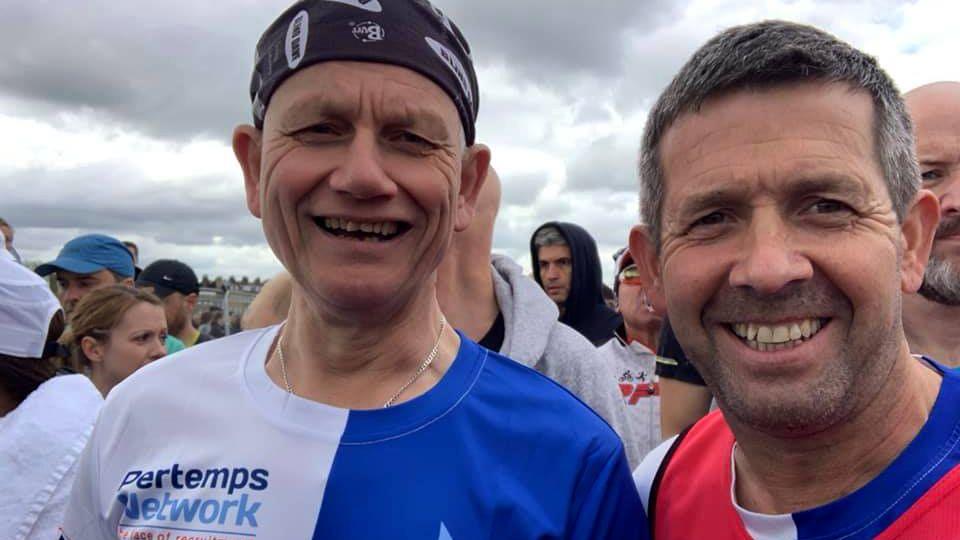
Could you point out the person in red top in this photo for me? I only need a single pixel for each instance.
(786, 222)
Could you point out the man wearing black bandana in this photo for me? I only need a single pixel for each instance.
(363, 415)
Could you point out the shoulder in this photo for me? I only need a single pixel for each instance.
(646, 472)
(565, 342)
(216, 358)
(537, 399)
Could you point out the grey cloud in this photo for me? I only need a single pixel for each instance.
(610, 162)
(169, 69)
(117, 201)
(521, 189)
(180, 69)
(548, 40)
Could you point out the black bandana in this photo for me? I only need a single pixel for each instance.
(408, 33)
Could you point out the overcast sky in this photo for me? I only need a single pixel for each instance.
(115, 117)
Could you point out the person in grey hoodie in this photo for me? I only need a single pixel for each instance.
(490, 300)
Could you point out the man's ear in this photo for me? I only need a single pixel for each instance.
(246, 147)
(644, 253)
(916, 234)
(191, 301)
(128, 281)
(476, 163)
(92, 349)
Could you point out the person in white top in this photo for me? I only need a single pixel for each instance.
(631, 354)
(45, 418)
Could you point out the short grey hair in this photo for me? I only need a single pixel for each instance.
(773, 53)
(548, 236)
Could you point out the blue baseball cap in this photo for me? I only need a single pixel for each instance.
(89, 254)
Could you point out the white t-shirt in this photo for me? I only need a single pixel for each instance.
(635, 368)
(202, 444)
(40, 442)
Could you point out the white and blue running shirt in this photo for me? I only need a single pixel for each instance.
(203, 445)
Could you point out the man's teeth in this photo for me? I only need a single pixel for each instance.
(775, 337)
(384, 228)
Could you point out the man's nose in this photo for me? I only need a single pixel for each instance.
(361, 173)
(768, 262)
(950, 199)
(70, 294)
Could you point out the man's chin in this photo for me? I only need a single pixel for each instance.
(795, 411)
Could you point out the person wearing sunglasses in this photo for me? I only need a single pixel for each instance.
(631, 351)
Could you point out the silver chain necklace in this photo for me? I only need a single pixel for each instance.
(423, 366)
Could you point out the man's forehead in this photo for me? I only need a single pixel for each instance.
(556, 251)
(785, 131)
(935, 115)
(347, 86)
(933, 101)
(66, 274)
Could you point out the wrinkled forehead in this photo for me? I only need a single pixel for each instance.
(782, 132)
(349, 88)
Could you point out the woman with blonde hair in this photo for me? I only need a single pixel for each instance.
(116, 331)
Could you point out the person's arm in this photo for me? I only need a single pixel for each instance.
(681, 404)
(684, 396)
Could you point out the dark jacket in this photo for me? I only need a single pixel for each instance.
(584, 311)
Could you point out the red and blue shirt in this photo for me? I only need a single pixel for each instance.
(690, 487)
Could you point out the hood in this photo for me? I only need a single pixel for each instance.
(529, 315)
(584, 309)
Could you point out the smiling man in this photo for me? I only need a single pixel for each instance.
(932, 318)
(786, 223)
(363, 415)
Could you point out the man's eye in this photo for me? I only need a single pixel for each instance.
(828, 206)
(931, 175)
(714, 218)
(323, 128)
(407, 137)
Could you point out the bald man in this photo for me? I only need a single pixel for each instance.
(931, 318)
(488, 298)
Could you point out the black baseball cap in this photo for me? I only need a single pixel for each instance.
(168, 276)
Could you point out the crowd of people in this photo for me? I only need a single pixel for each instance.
(778, 360)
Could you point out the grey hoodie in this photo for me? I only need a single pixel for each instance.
(534, 337)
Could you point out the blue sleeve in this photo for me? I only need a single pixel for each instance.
(606, 503)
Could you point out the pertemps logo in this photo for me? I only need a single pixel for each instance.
(368, 32)
(369, 5)
(296, 42)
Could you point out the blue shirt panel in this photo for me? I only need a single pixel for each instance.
(494, 450)
(933, 453)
